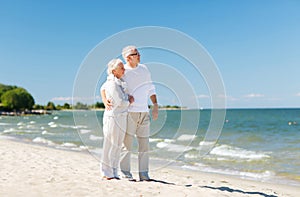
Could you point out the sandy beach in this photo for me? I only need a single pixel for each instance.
(33, 170)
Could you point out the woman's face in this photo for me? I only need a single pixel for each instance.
(119, 71)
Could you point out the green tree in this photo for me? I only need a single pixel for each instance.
(80, 105)
(37, 106)
(5, 88)
(66, 106)
(17, 99)
(99, 105)
(50, 106)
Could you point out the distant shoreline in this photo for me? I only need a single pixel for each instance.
(24, 113)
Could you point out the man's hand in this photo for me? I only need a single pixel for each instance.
(130, 99)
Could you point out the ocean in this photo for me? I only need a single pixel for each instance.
(257, 144)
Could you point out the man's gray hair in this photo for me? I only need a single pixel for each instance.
(127, 51)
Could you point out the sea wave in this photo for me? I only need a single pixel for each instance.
(186, 137)
(41, 140)
(264, 175)
(162, 140)
(68, 126)
(4, 124)
(238, 153)
(95, 138)
(173, 147)
(69, 145)
(84, 131)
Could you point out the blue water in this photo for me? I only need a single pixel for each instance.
(261, 144)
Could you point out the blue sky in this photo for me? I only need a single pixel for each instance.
(255, 44)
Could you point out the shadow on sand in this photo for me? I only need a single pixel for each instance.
(167, 183)
(228, 189)
(160, 181)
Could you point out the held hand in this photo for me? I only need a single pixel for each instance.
(155, 112)
(108, 105)
(130, 99)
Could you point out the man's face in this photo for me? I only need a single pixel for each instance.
(134, 57)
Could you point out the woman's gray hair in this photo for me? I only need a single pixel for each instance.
(112, 65)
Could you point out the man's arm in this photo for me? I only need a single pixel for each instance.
(155, 107)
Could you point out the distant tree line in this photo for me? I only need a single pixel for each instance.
(14, 98)
(66, 106)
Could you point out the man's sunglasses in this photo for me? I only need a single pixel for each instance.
(134, 54)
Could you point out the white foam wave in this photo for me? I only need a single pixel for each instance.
(95, 138)
(169, 140)
(235, 152)
(30, 126)
(4, 124)
(67, 126)
(29, 131)
(44, 132)
(161, 144)
(69, 145)
(251, 175)
(173, 147)
(83, 147)
(20, 123)
(84, 131)
(265, 174)
(80, 127)
(206, 143)
(190, 156)
(155, 140)
(43, 141)
(52, 124)
(47, 133)
(4, 137)
(186, 137)
(161, 140)
(20, 130)
(10, 130)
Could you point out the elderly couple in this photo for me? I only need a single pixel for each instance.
(125, 96)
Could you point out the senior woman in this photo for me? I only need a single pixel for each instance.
(114, 119)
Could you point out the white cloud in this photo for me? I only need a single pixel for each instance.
(75, 98)
(274, 99)
(201, 96)
(62, 99)
(228, 97)
(253, 95)
(298, 94)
